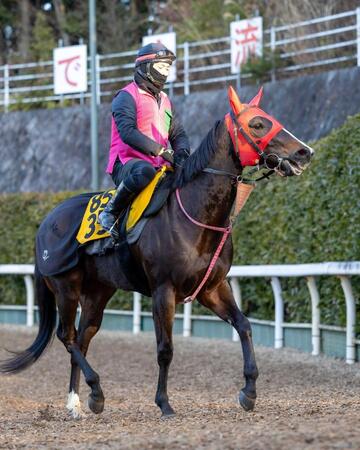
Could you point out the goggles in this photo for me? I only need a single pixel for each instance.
(161, 54)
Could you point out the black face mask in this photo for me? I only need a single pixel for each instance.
(144, 83)
(152, 76)
(159, 79)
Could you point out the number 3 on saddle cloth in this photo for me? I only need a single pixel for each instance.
(72, 226)
(90, 229)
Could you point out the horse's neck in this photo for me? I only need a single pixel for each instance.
(209, 197)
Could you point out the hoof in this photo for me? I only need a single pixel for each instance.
(74, 406)
(246, 402)
(168, 414)
(96, 405)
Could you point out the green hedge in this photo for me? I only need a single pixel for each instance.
(311, 218)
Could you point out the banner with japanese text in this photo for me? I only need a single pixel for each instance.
(70, 69)
(246, 41)
(169, 40)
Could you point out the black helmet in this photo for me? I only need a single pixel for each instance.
(154, 52)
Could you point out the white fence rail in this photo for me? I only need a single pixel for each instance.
(342, 270)
(312, 45)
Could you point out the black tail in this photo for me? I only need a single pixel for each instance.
(47, 314)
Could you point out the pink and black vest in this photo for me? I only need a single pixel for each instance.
(152, 120)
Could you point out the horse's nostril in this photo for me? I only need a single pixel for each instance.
(303, 153)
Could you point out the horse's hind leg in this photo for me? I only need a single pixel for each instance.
(67, 289)
(222, 303)
(163, 315)
(93, 302)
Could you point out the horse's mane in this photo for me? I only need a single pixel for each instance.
(199, 159)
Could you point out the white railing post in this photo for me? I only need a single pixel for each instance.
(279, 312)
(136, 313)
(187, 320)
(6, 87)
(29, 300)
(272, 48)
(358, 35)
(350, 319)
(186, 69)
(315, 315)
(98, 79)
(235, 287)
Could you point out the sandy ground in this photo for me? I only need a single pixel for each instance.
(303, 402)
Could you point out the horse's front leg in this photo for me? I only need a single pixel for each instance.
(163, 315)
(221, 302)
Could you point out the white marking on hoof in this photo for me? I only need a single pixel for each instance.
(74, 405)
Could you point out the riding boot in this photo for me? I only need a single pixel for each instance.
(119, 201)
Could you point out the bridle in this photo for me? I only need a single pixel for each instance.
(270, 161)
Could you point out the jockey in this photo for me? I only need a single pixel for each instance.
(144, 125)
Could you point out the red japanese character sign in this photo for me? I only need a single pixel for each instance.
(169, 40)
(246, 41)
(70, 69)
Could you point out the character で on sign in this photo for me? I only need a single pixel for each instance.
(246, 41)
(70, 69)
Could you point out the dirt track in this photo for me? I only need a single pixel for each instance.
(303, 402)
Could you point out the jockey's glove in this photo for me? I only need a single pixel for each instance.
(167, 154)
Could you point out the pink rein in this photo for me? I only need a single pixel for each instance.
(226, 231)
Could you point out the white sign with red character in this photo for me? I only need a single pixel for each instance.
(246, 41)
(70, 69)
(169, 40)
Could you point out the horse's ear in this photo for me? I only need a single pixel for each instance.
(257, 99)
(235, 103)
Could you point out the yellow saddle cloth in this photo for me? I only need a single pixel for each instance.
(90, 229)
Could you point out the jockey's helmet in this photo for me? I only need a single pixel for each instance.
(154, 52)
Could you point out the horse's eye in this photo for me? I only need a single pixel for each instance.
(258, 126)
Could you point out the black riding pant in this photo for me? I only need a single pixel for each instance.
(136, 174)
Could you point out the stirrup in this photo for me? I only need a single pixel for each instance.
(114, 232)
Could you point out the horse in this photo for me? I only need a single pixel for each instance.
(174, 253)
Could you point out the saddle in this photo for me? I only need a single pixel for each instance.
(71, 228)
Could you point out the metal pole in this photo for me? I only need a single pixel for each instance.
(94, 124)
(29, 300)
(187, 320)
(235, 287)
(238, 80)
(272, 48)
(315, 315)
(358, 34)
(186, 69)
(137, 313)
(82, 97)
(98, 80)
(6, 88)
(350, 319)
(279, 312)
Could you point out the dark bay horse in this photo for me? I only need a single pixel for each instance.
(173, 253)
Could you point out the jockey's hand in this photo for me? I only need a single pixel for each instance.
(167, 154)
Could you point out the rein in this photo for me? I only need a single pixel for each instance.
(225, 230)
